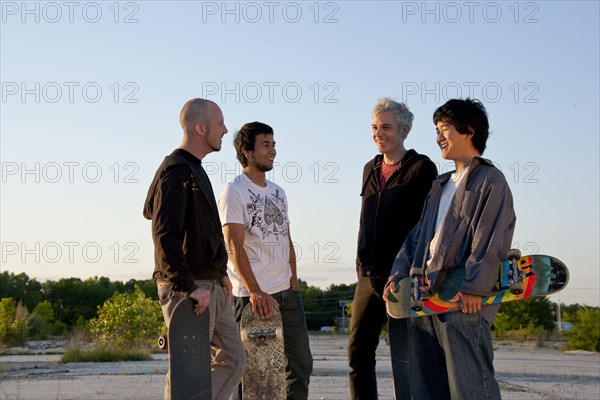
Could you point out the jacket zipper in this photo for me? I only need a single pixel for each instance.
(379, 192)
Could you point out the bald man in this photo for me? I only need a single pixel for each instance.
(189, 251)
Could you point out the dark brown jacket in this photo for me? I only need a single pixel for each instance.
(186, 229)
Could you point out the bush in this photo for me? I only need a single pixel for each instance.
(14, 322)
(585, 334)
(103, 354)
(127, 320)
(502, 324)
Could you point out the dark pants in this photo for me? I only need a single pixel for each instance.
(368, 318)
(299, 361)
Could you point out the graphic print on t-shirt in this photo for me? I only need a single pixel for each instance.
(266, 214)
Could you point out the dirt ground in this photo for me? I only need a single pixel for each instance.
(523, 372)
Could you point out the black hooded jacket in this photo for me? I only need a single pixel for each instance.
(186, 229)
(388, 214)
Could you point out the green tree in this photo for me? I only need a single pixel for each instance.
(322, 307)
(14, 322)
(585, 334)
(127, 320)
(73, 298)
(7, 316)
(148, 286)
(20, 288)
(43, 322)
(532, 313)
(502, 324)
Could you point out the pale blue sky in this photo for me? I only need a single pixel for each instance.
(313, 71)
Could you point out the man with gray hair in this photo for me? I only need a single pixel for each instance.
(189, 250)
(394, 186)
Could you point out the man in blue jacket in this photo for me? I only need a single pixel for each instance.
(468, 222)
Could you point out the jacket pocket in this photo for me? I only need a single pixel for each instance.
(165, 294)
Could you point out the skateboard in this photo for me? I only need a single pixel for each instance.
(519, 278)
(189, 353)
(264, 376)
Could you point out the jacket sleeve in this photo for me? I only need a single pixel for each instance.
(425, 175)
(493, 231)
(170, 203)
(405, 258)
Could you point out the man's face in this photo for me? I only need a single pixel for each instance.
(264, 152)
(454, 145)
(215, 129)
(387, 135)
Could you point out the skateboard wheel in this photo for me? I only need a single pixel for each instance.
(162, 342)
(514, 253)
(415, 272)
(517, 288)
(416, 305)
(279, 334)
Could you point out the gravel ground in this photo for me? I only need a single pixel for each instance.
(524, 373)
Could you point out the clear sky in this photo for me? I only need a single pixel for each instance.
(91, 94)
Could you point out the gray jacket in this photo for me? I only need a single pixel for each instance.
(476, 233)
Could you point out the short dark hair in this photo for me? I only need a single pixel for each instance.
(245, 139)
(468, 116)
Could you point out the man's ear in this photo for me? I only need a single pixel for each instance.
(200, 129)
(405, 131)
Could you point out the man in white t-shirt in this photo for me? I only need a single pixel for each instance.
(262, 261)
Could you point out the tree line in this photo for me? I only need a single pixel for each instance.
(30, 309)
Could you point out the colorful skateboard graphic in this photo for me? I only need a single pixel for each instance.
(520, 278)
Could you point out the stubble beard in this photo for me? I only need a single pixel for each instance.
(213, 147)
(263, 167)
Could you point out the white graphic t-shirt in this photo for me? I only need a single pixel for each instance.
(263, 212)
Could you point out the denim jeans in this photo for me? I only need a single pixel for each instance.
(451, 357)
(228, 356)
(299, 363)
(368, 318)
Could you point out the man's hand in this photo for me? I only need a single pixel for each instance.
(468, 303)
(202, 298)
(390, 287)
(294, 284)
(228, 287)
(262, 303)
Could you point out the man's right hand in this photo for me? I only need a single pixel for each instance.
(262, 303)
(202, 298)
(390, 287)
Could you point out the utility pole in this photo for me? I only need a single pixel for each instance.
(558, 316)
(343, 304)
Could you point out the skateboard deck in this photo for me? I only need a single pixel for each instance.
(264, 376)
(189, 353)
(519, 278)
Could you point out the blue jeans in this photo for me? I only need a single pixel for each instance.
(295, 338)
(451, 357)
(368, 318)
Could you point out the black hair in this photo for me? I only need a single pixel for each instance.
(468, 116)
(245, 139)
